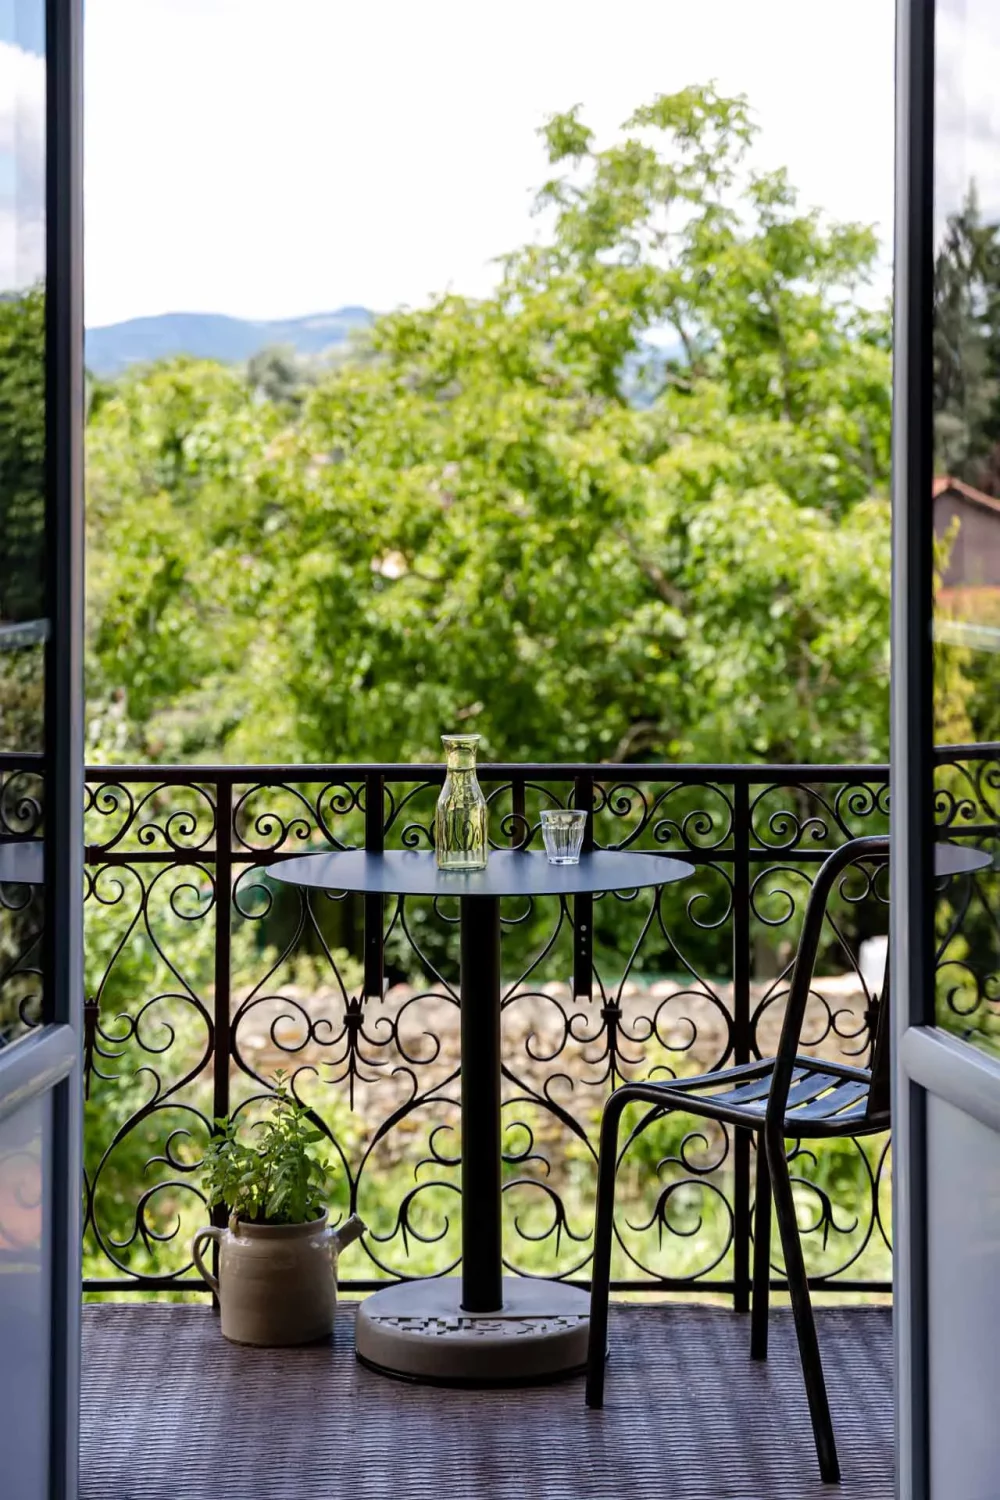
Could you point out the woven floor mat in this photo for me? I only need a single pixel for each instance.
(173, 1412)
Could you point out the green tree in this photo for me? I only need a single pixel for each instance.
(22, 511)
(475, 524)
(966, 286)
(279, 375)
(22, 453)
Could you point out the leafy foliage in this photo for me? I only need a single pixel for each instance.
(22, 452)
(473, 522)
(275, 1178)
(967, 348)
(22, 510)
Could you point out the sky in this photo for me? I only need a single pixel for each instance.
(967, 106)
(271, 160)
(22, 147)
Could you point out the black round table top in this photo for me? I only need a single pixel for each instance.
(407, 872)
(959, 859)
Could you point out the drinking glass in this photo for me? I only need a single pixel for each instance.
(562, 830)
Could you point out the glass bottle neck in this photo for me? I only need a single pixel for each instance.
(460, 756)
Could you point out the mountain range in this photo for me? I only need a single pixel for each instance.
(113, 347)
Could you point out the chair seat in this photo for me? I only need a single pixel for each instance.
(824, 1098)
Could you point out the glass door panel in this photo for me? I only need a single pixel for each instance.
(965, 505)
(24, 625)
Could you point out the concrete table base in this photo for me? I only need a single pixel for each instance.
(420, 1330)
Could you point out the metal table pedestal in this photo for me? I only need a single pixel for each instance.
(484, 1327)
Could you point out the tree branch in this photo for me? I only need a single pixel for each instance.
(667, 591)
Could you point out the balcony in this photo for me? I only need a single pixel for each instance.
(170, 1410)
(188, 1017)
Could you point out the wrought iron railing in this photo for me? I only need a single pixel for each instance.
(203, 977)
(188, 1014)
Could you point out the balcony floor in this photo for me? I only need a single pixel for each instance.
(173, 1412)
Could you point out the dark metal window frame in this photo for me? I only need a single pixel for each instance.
(64, 699)
(912, 706)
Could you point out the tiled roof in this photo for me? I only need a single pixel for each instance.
(944, 485)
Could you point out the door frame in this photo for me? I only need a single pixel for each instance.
(50, 1060)
(925, 1059)
(911, 736)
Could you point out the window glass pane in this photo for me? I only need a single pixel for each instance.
(23, 626)
(966, 506)
(22, 310)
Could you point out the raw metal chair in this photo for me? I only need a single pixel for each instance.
(779, 1098)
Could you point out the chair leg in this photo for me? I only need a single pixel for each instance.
(761, 1256)
(600, 1287)
(805, 1326)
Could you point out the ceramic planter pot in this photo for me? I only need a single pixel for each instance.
(277, 1282)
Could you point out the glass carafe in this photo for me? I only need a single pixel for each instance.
(460, 819)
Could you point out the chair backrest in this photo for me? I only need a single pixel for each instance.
(855, 851)
(880, 1088)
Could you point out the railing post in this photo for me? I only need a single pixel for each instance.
(518, 818)
(583, 906)
(741, 1037)
(374, 981)
(223, 967)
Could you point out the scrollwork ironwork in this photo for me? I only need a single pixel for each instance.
(279, 978)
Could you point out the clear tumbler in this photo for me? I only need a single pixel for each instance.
(562, 830)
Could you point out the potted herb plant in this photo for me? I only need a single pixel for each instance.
(277, 1280)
